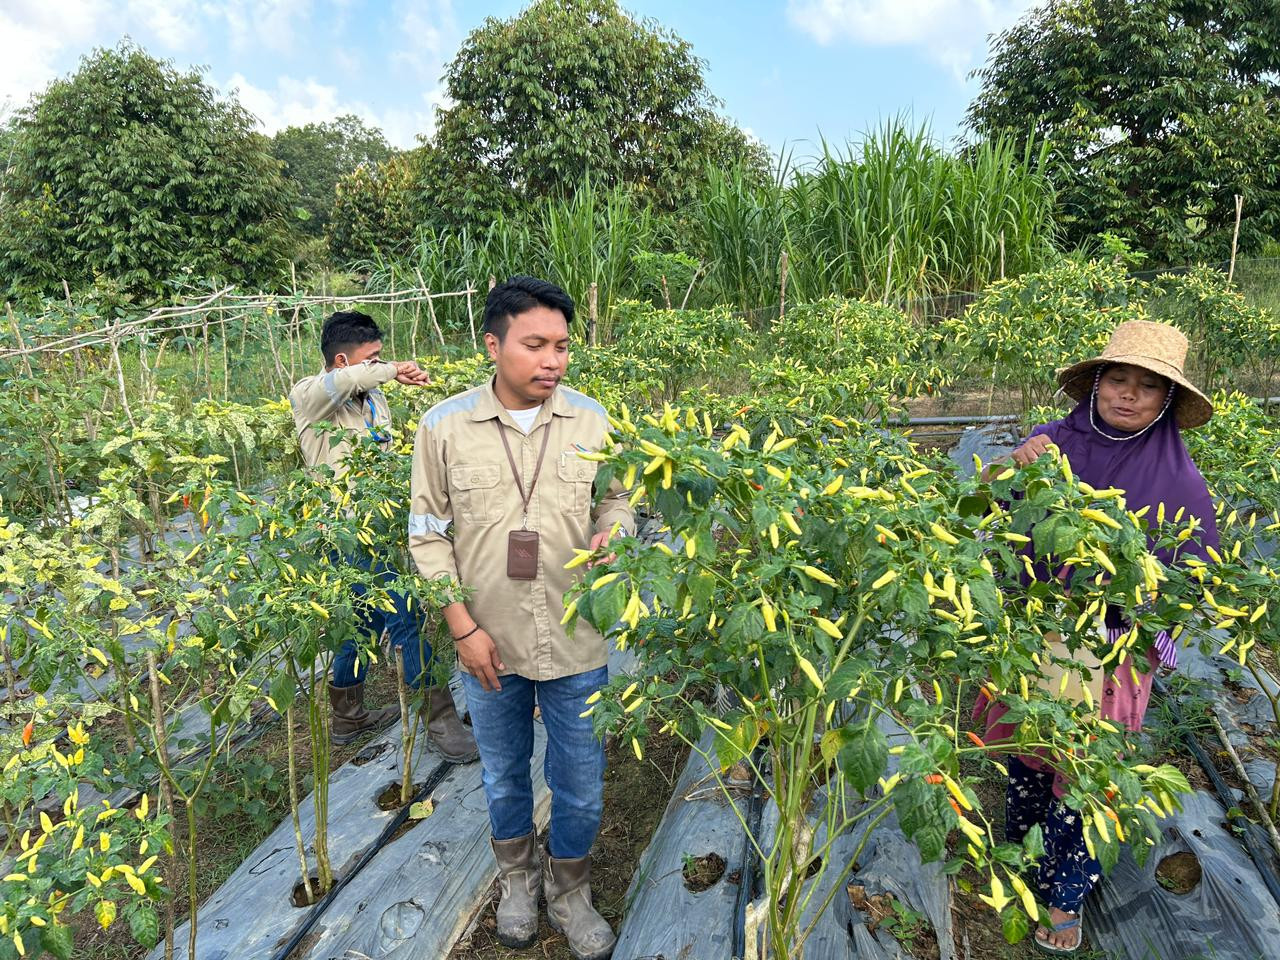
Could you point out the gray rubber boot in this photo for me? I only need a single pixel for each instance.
(520, 883)
(349, 717)
(567, 884)
(445, 728)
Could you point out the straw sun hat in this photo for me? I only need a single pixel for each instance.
(1157, 347)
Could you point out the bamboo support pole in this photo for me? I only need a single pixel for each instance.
(1235, 238)
(431, 310)
(1263, 816)
(888, 272)
(124, 393)
(593, 315)
(236, 307)
(782, 291)
(391, 319)
(471, 320)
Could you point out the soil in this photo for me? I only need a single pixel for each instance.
(635, 797)
(1179, 872)
(701, 873)
(967, 399)
(918, 937)
(389, 797)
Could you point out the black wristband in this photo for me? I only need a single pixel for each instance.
(467, 634)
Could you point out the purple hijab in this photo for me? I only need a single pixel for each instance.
(1152, 468)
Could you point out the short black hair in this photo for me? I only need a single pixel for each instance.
(344, 330)
(519, 294)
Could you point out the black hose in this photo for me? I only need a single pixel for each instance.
(320, 906)
(1257, 852)
(747, 886)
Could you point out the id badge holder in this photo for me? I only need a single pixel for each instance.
(522, 554)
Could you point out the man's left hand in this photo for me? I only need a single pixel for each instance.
(411, 375)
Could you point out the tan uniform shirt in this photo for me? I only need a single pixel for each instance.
(461, 478)
(348, 398)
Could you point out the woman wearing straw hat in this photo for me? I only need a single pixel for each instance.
(1133, 401)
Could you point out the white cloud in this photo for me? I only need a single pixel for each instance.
(273, 24)
(38, 34)
(293, 103)
(281, 44)
(951, 32)
(172, 22)
(428, 35)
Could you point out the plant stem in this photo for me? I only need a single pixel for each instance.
(318, 715)
(192, 903)
(166, 788)
(293, 803)
(407, 730)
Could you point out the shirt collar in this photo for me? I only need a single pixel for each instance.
(490, 407)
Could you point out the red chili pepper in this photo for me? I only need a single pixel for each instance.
(977, 740)
(27, 733)
(955, 806)
(933, 778)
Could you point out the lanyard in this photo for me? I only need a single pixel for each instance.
(370, 420)
(526, 498)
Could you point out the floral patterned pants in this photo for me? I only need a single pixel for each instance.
(1067, 872)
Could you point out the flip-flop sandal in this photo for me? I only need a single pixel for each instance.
(1071, 924)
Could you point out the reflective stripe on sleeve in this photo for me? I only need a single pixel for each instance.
(420, 524)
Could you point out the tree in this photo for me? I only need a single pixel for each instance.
(133, 172)
(566, 89)
(372, 211)
(1160, 111)
(318, 155)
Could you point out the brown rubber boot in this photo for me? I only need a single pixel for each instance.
(567, 884)
(445, 728)
(349, 717)
(520, 883)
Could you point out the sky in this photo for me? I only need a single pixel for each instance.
(787, 71)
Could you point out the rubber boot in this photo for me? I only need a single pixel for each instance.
(567, 884)
(350, 718)
(520, 884)
(445, 728)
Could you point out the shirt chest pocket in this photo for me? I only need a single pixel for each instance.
(576, 476)
(475, 492)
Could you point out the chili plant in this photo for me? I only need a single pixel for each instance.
(829, 578)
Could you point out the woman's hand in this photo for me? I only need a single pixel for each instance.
(1032, 450)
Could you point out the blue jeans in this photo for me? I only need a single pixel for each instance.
(407, 627)
(502, 722)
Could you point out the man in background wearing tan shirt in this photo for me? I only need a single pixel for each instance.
(347, 395)
(499, 465)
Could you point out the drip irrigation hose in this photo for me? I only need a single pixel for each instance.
(747, 883)
(1257, 851)
(318, 908)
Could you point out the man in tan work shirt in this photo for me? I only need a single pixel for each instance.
(499, 464)
(347, 396)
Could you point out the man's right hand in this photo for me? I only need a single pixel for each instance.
(478, 655)
(1032, 450)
